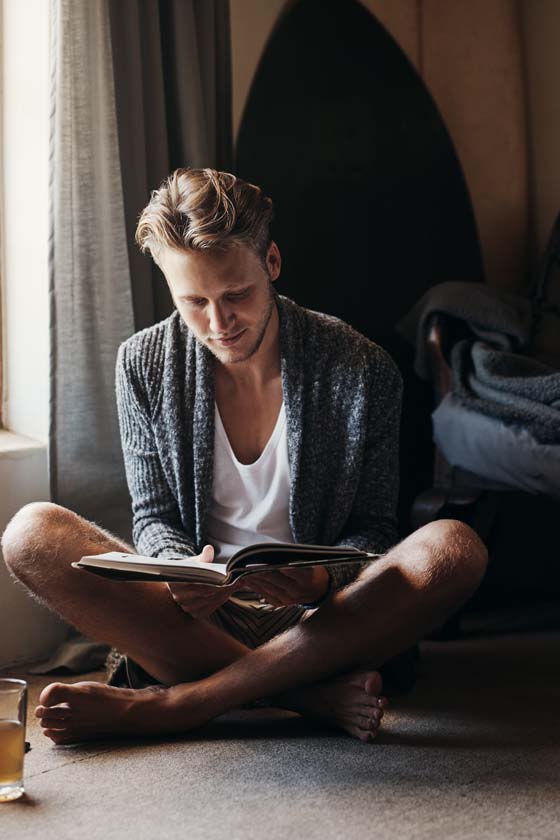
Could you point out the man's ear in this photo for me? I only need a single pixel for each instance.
(273, 261)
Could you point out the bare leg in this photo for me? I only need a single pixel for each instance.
(143, 620)
(394, 603)
(140, 619)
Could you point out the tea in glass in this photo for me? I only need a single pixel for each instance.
(13, 707)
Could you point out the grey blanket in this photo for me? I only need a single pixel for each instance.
(501, 420)
(499, 318)
(510, 387)
(490, 373)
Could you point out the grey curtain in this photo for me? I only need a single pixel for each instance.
(90, 291)
(172, 71)
(139, 87)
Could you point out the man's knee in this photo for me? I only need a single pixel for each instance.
(456, 556)
(33, 529)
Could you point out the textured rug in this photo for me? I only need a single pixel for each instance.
(473, 752)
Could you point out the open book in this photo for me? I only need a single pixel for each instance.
(261, 557)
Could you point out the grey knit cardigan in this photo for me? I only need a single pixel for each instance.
(342, 395)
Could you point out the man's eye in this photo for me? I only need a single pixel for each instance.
(199, 302)
(238, 295)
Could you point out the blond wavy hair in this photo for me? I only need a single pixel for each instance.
(200, 209)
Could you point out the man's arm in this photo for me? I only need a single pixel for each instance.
(157, 530)
(372, 525)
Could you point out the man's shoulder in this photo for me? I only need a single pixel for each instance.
(147, 346)
(334, 342)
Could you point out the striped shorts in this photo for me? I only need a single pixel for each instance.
(249, 621)
(254, 623)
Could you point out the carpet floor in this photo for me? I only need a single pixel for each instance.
(472, 752)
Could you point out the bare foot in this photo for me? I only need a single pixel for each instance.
(352, 702)
(89, 710)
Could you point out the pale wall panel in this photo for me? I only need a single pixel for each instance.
(252, 21)
(25, 211)
(541, 25)
(400, 19)
(472, 64)
(28, 631)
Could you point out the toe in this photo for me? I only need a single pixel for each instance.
(374, 684)
(61, 711)
(365, 735)
(369, 710)
(55, 693)
(52, 722)
(58, 736)
(376, 715)
(368, 721)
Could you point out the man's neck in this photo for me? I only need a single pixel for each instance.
(261, 369)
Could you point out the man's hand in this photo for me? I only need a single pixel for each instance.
(289, 586)
(201, 599)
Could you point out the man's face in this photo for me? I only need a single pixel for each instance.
(225, 299)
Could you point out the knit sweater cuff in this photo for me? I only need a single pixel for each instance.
(345, 574)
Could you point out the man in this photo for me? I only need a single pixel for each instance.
(244, 418)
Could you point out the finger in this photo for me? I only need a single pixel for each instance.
(203, 602)
(275, 582)
(192, 588)
(201, 613)
(207, 554)
(274, 602)
(277, 579)
(301, 573)
(189, 601)
(198, 605)
(274, 596)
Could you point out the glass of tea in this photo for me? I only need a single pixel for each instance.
(13, 710)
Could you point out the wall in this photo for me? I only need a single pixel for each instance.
(26, 218)
(541, 26)
(252, 21)
(27, 631)
(471, 55)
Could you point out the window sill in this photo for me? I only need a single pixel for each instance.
(13, 446)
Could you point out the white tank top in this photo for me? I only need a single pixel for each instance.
(250, 502)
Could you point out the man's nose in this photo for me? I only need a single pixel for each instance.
(219, 318)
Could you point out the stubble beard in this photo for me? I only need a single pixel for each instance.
(260, 337)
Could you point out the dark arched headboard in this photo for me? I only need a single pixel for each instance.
(371, 204)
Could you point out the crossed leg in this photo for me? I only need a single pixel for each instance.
(205, 672)
(143, 621)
